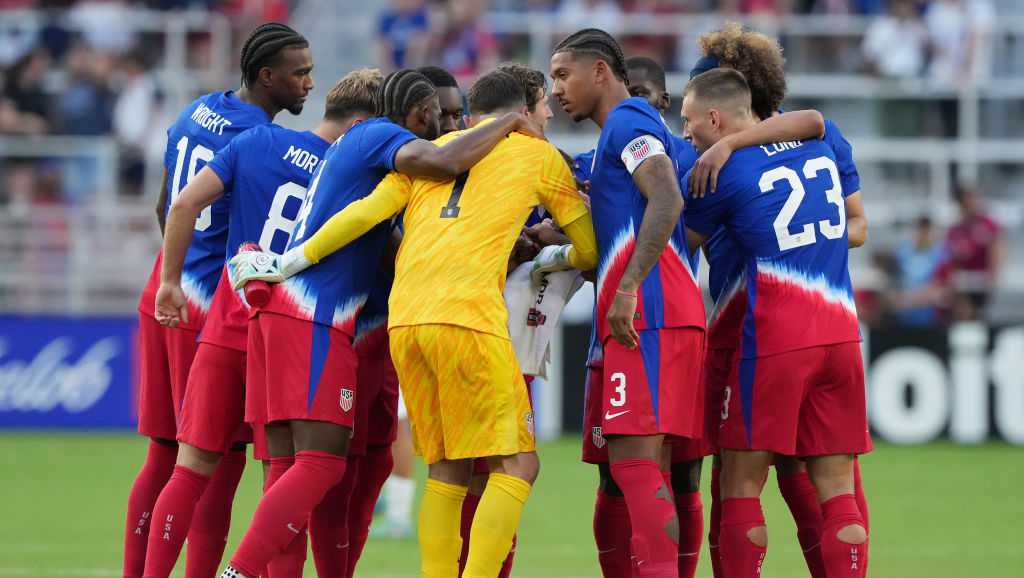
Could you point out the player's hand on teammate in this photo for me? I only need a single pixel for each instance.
(704, 175)
(620, 318)
(171, 305)
(254, 266)
(551, 258)
(546, 233)
(524, 250)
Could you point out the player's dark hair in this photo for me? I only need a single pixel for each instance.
(719, 86)
(355, 93)
(401, 91)
(531, 80)
(495, 91)
(439, 77)
(650, 69)
(263, 46)
(598, 44)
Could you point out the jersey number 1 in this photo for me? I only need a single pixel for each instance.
(451, 210)
(834, 195)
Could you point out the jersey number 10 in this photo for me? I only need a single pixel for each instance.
(199, 153)
(806, 236)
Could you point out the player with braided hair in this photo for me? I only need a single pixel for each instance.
(649, 313)
(308, 326)
(276, 65)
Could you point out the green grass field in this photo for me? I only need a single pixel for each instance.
(938, 511)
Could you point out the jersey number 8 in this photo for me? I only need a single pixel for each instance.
(806, 236)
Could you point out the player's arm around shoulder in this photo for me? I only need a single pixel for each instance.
(389, 197)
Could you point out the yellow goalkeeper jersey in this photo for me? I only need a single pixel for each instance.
(459, 234)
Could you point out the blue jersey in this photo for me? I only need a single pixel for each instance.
(333, 291)
(686, 157)
(265, 172)
(726, 264)
(783, 206)
(668, 296)
(203, 128)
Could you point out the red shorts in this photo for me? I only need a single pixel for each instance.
(211, 417)
(718, 365)
(376, 420)
(808, 402)
(165, 356)
(595, 449)
(301, 371)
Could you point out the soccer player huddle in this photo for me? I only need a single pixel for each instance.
(306, 276)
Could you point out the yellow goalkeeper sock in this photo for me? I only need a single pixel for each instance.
(440, 519)
(494, 525)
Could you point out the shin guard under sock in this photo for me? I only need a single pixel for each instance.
(284, 510)
(652, 517)
(740, 557)
(208, 533)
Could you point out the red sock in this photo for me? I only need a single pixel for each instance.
(691, 532)
(858, 492)
(741, 558)
(172, 516)
(290, 562)
(284, 510)
(374, 469)
(651, 509)
(328, 526)
(862, 505)
(469, 505)
(152, 477)
(506, 566)
(208, 533)
(802, 499)
(842, 559)
(611, 535)
(715, 523)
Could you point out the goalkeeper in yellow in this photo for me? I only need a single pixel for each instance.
(448, 324)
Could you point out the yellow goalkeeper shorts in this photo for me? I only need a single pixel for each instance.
(464, 392)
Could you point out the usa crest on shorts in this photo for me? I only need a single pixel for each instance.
(596, 437)
(347, 396)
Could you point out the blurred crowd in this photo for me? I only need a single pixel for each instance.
(932, 277)
(946, 41)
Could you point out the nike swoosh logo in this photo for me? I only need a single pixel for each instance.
(610, 415)
(293, 528)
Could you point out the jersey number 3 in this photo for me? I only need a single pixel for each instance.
(805, 236)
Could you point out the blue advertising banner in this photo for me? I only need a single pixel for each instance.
(67, 372)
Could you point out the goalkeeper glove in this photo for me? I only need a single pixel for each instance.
(551, 258)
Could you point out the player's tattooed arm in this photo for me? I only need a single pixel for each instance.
(790, 126)
(161, 202)
(657, 181)
(205, 188)
(856, 221)
(421, 158)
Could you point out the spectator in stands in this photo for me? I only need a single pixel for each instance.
(918, 289)
(403, 34)
(138, 104)
(603, 14)
(976, 251)
(895, 44)
(960, 44)
(87, 104)
(25, 105)
(467, 47)
(104, 24)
